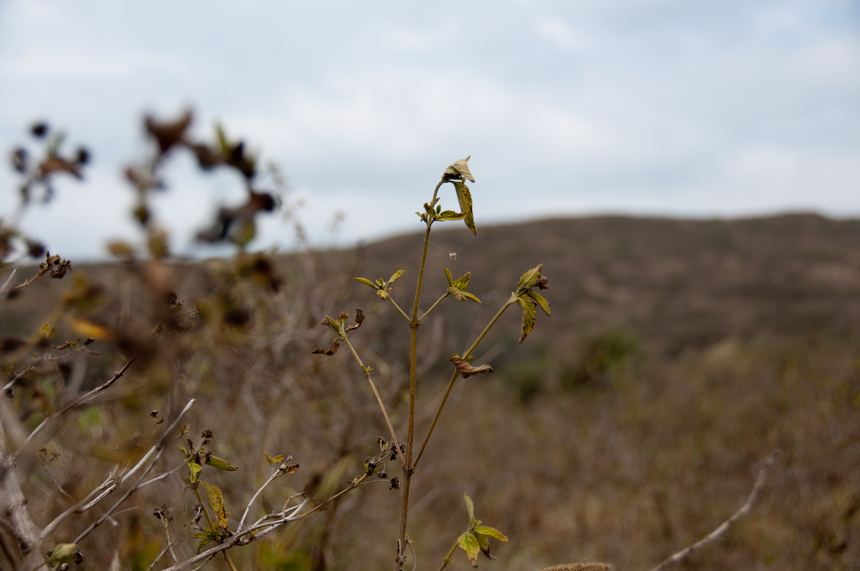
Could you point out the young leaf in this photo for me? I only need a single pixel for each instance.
(469, 543)
(464, 197)
(193, 471)
(541, 301)
(490, 532)
(366, 282)
(485, 545)
(470, 508)
(529, 316)
(467, 370)
(216, 501)
(64, 554)
(448, 215)
(220, 463)
(471, 296)
(530, 278)
(395, 276)
(274, 460)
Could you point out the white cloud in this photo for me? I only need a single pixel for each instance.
(660, 106)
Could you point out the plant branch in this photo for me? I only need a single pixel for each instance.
(722, 529)
(452, 380)
(432, 307)
(266, 525)
(447, 559)
(112, 482)
(80, 401)
(366, 370)
(277, 473)
(397, 306)
(414, 322)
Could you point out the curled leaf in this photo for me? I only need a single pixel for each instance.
(331, 350)
(469, 544)
(467, 369)
(359, 319)
(460, 169)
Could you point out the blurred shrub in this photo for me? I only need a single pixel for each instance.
(603, 356)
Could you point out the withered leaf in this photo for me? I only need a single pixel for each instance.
(460, 169)
(467, 369)
(332, 349)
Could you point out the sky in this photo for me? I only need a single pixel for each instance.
(669, 107)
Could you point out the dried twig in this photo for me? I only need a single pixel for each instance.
(112, 482)
(80, 401)
(724, 527)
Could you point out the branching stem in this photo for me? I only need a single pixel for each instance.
(432, 307)
(455, 375)
(366, 370)
(414, 322)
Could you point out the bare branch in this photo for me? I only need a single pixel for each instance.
(113, 481)
(366, 370)
(80, 401)
(724, 527)
(277, 473)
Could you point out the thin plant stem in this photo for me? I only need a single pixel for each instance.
(400, 309)
(447, 559)
(395, 442)
(414, 322)
(455, 375)
(432, 307)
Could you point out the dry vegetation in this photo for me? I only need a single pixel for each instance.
(680, 354)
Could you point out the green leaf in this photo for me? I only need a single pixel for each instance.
(471, 296)
(491, 532)
(206, 536)
(216, 501)
(530, 278)
(63, 553)
(366, 282)
(470, 507)
(220, 463)
(447, 215)
(274, 460)
(529, 316)
(395, 276)
(469, 543)
(448, 276)
(463, 281)
(541, 301)
(194, 470)
(464, 197)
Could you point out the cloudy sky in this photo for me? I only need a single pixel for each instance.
(680, 107)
